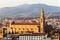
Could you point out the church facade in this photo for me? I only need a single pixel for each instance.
(23, 28)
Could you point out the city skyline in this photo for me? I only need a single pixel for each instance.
(29, 19)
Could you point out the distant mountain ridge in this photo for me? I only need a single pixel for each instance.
(55, 15)
(27, 10)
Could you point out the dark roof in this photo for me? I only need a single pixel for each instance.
(28, 34)
(33, 34)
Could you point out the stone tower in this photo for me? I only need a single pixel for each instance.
(42, 21)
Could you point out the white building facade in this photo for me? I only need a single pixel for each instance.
(33, 37)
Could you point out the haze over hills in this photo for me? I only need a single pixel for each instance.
(28, 10)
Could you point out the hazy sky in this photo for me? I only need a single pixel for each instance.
(9, 3)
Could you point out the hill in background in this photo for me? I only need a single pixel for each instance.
(28, 10)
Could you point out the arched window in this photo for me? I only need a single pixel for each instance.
(22, 32)
(19, 28)
(23, 28)
(31, 28)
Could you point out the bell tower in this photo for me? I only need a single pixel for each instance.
(42, 21)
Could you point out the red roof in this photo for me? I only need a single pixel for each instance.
(25, 24)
